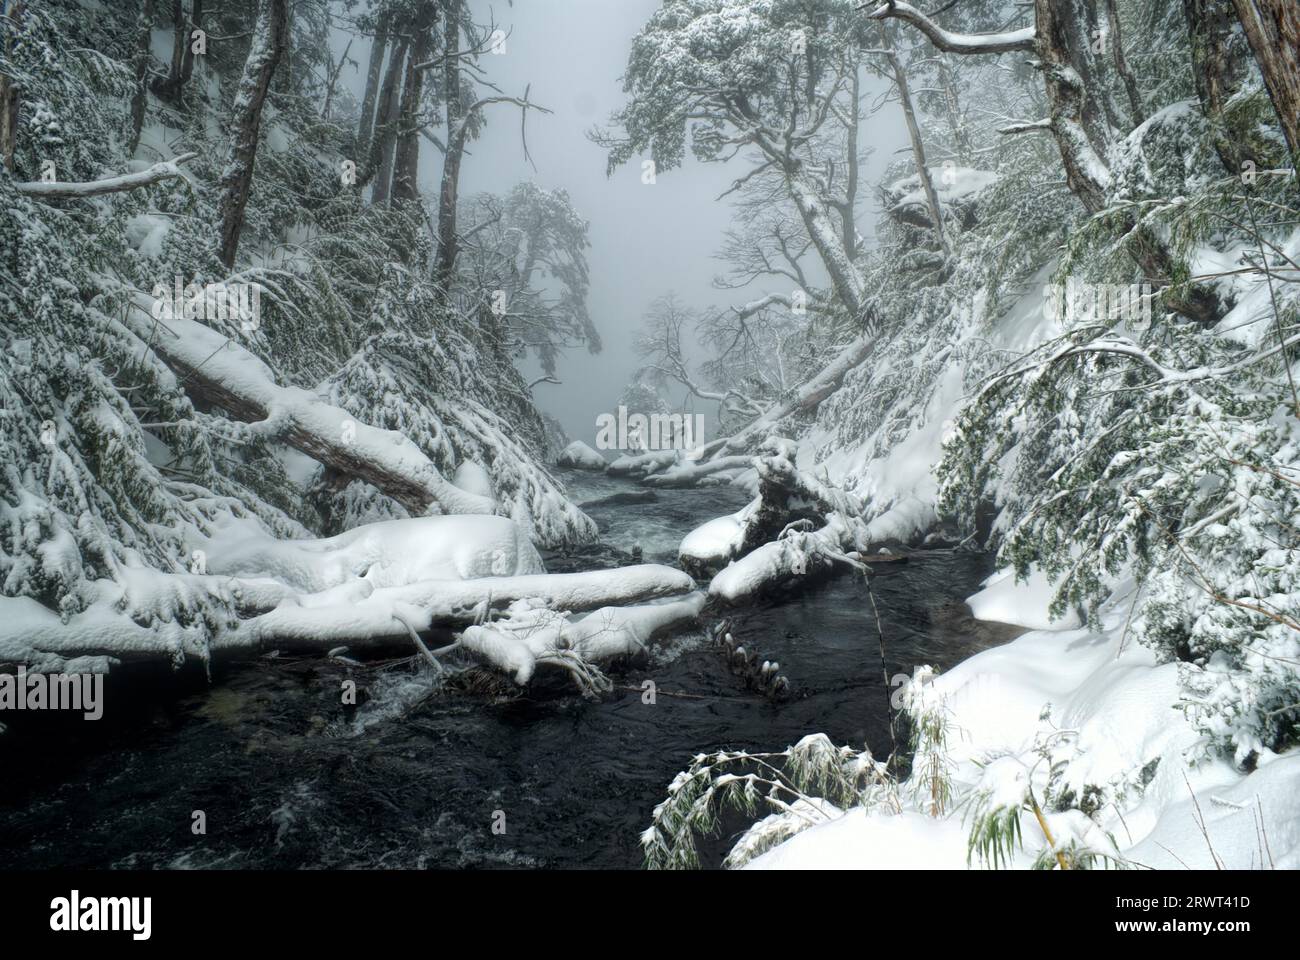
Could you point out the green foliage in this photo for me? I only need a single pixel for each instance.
(803, 785)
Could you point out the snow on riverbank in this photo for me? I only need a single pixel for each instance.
(1098, 707)
(581, 456)
(363, 589)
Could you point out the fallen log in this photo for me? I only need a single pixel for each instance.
(215, 370)
(382, 616)
(354, 614)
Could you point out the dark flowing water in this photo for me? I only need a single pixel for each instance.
(416, 777)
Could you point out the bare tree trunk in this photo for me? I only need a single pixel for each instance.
(1136, 107)
(457, 127)
(406, 162)
(1075, 91)
(1220, 67)
(140, 98)
(187, 65)
(10, 99)
(1273, 29)
(848, 224)
(844, 274)
(802, 401)
(172, 84)
(918, 145)
(265, 51)
(334, 71)
(952, 109)
(381, 144)
(377, 50)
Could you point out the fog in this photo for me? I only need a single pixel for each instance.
(646, 239)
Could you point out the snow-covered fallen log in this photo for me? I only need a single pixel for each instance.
(355, 614)
(220, 372)
(798, 526)
(690, 473)
(145, 614)
(371, 588)
(581, 456)
(532, 634)
(795, 556)
(639, 465)
(392, 553)
(380, 616)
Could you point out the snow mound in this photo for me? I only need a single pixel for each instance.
(859, 841)
(715, 542)
(1110, 709)
(580, 455)
(473, 478)
(387, 554)
(1003, 600)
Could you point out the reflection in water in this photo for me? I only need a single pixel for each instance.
(413, 776)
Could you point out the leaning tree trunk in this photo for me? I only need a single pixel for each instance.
(384, 459)
(187, 64)
(406, 161)
(1273, 29)
(457, 127)
(1221, 68)
(1081, 113)
(380, 167)
(918, 145)
(140, 96)
(9, 91)
(365, 130)
(269, 41)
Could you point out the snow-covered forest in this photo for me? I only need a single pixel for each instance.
(928, 496)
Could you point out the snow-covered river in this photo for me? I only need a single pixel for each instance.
(287, 779)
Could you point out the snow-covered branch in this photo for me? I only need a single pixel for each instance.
(221, 372)
(166, 170)
(1007, 42)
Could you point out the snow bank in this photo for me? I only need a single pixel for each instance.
(579, 455)
(857, 840)
(387, 554)
(1115, 724)
(473, 478)
(951, 185)
(1003, 600)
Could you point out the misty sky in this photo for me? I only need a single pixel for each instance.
(646, 240)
